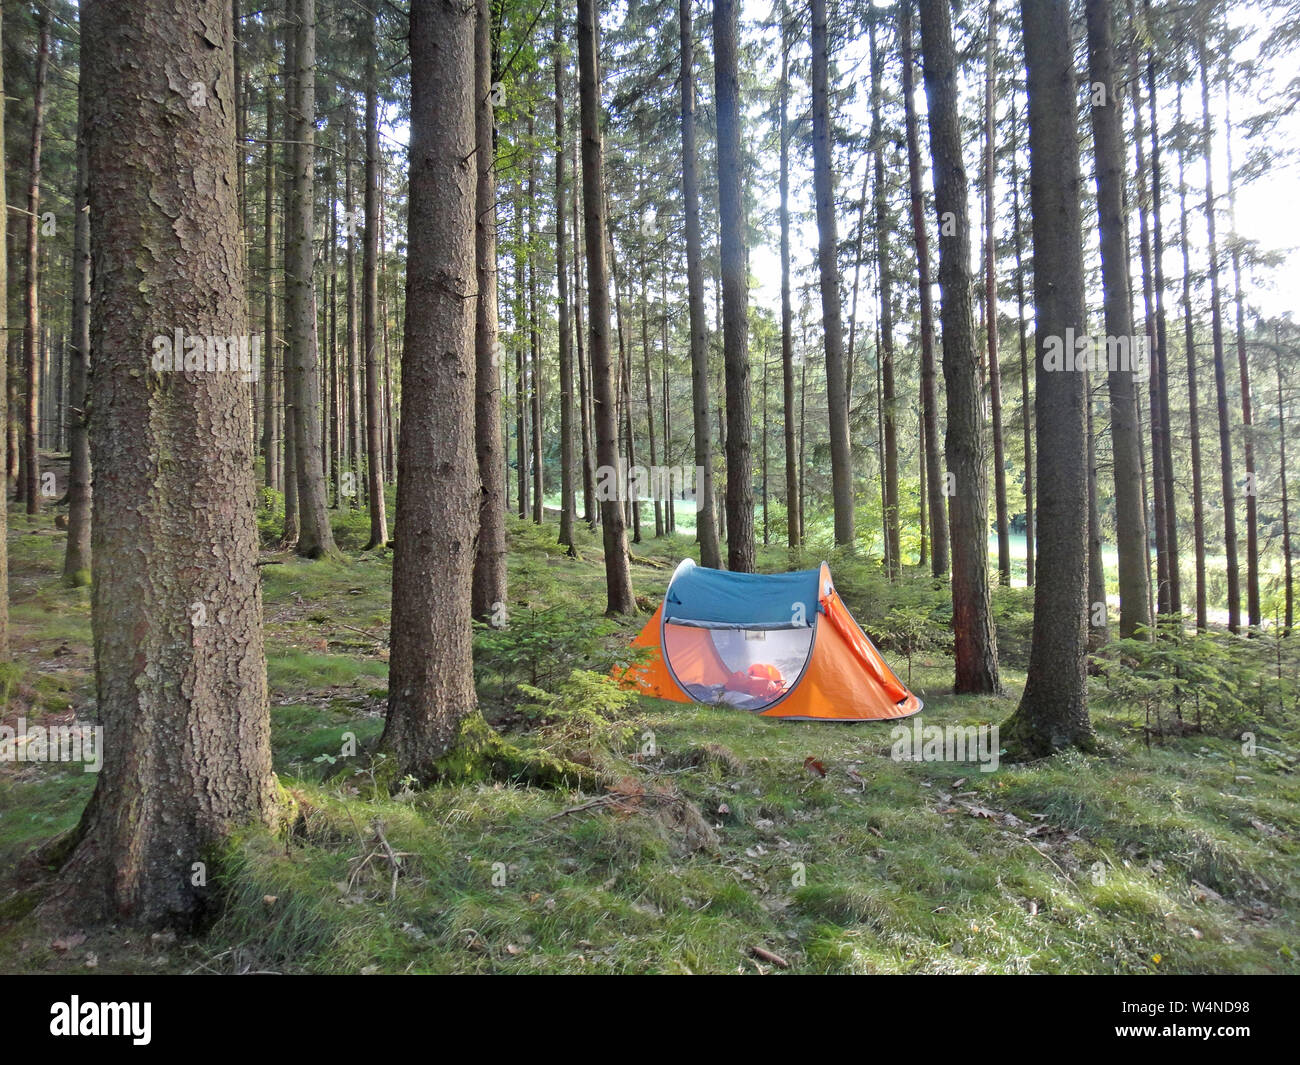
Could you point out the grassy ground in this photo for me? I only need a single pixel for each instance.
(1178, 857)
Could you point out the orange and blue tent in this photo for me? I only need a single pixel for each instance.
(776, 644)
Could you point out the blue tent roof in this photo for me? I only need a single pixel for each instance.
(746, 600)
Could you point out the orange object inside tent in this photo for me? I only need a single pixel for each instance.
(845, 677)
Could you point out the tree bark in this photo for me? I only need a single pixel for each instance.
(489, 587)
(370, 301)
(568, 495)
(1253, 615)
(4, 369)
(735, 290)
(1126, 442)
(1053, 712)
(1174, 604)
(31, 283)
(1026, 404)
(1227, 475)
(889, 419)
(828, 267)
(618, 578)
(315, 538)
(1193, 400)
(77, 556)
(270, 452)
(929, 391)
(975, 644)
(431, 674)
(176, 609)
(787, 312)
(706, 525)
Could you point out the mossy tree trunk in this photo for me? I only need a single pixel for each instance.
(177, 607)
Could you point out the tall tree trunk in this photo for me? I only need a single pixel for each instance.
(1227, 475)
(370, 301)
(1159, 489)
(270, 454)
(1053, 712)
(893, 542)
(706, 525)
(489, 587)
(289, 400)
(568, 500)
(1287, 576)
(735, 290)
(534, 339)
(1173, 573)
(1126, 441)
(1026, 405)
(315, 538)
(330, 320)
(1253, 615)
(991, 299)
(4, 370)
(590, 512)
(929, 391)
(975, 643)
(31, 283)
(787, 312)
(177, 607)
(1098, 609)
(77, 556)
(519, 311)
(352, 372)
(828, 266)
(431, 672)
(1193, 400)
(649, 398)
(618, 578)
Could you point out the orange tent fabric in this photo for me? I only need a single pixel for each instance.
(832, 671)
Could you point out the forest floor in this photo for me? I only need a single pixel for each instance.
(719, 847)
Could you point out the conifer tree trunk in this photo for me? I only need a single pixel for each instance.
(370, 301)
(893, 548)
(534, 341)
(1253, 616)
(735, 290)
(489, 587)
(1193, 400)
(315, 538)
(1159, 488)
(787, 312)
(177, 608)
(1227, 475)
(618, 579)
(289, 539)
(1053, 712)
(975, 644)
(5, 444)
(828, 266)
(706, 525)
(938, 507)
(1287, 576)
(991, 300)
(1026, 404)
(568, 502)
(77, 556)
(31, 474)
(1109, 152)
(270, 450)
(1173, 566)
(431, 673)
(351, 372)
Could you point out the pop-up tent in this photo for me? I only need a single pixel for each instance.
(781, 645)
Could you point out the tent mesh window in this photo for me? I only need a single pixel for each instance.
(745, 668)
